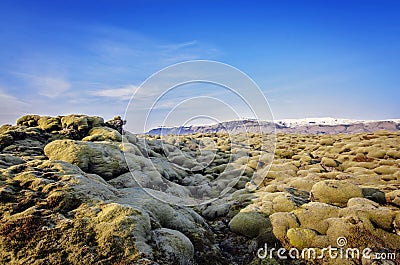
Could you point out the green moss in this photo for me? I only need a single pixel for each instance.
(17, 233)
(283, 153)
(250, 224)
(386, 170)
(49, 123)
(104, 159)
(335, 192)
(314, 215)
(301, 237)
(28, 120)
(103, 134)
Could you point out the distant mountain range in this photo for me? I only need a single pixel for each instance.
(301, 126)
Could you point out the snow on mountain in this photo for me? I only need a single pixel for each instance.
(306, 126)
(292, 123)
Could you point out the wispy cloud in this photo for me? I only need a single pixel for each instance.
(11, 107)
(179, 46)
(7, 99)
(125, 48)
(123, 93)
(50, 86)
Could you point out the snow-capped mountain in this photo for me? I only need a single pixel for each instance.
(324, 121)
(303, 126)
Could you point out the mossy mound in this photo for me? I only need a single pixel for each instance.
(335, 192)
(104, 159)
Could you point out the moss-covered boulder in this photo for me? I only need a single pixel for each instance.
(283, 203)
(116, 227)
(172, 246)
(329, 162)
(377, 153)
(301, 237)
(103, 134)
(104, 159)
(386, 170)
(393, 197)
(81, 122)
(363, 208)
(281, 222)
(28, 120)
(49, 124)
(335, 192)
(313, 215)
(249, 224)
(77, 126)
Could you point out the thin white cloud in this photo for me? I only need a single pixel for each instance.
(11, 108)
(126, 92)
(178, 46)
(50, 86)
(123, 93)
(8, 100)
(124, 50)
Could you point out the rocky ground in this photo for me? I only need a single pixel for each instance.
(67, 195)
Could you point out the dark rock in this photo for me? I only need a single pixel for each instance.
(5, 140)
(116, 123)
(299, 197)
(374, 195)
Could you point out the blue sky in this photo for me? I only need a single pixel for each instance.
(310, 58)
